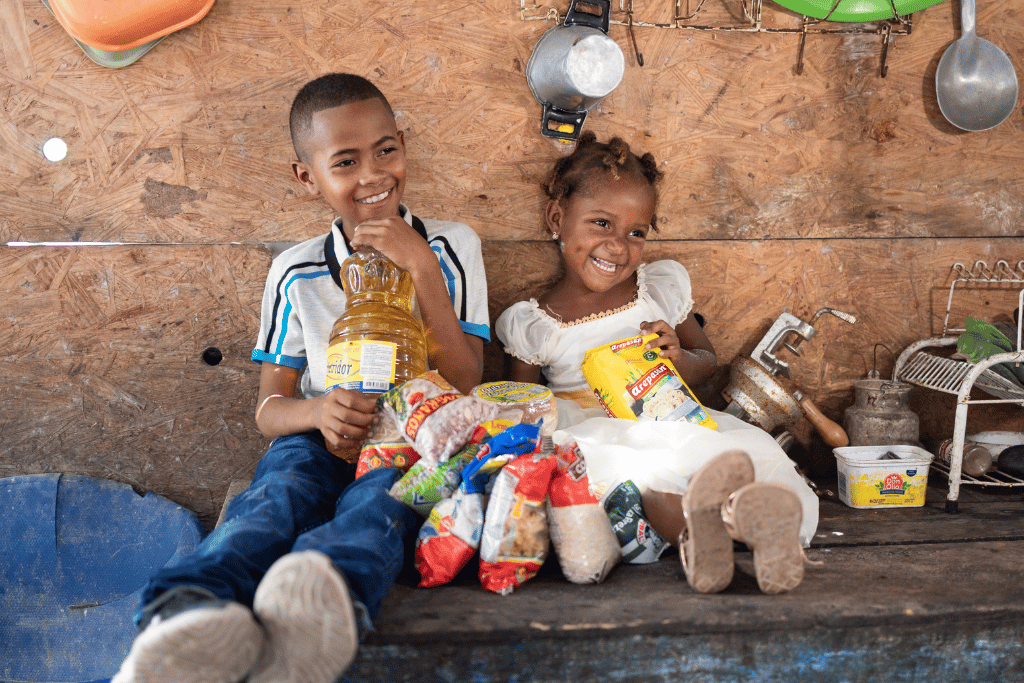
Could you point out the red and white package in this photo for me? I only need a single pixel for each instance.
(515, 537)
(449, 538)
(581, 532)
(385, 448)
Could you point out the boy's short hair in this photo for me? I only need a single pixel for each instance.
(327, 92)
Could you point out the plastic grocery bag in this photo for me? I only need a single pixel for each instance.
(662, 456)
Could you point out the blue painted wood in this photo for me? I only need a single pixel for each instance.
(74, 555)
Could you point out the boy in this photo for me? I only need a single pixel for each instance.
(309, 548)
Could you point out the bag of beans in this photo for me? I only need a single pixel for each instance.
(434, 418)
(581, 532)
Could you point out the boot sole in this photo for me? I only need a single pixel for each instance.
(202, 645)
(767, 517)
(706, 546)
(304, 605)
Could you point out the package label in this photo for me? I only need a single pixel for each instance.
(634, 383)
(362, 365)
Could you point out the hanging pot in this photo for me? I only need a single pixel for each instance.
(573, 67)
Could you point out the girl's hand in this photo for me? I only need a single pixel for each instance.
(344, 417)
(667, 341)
(689, 349)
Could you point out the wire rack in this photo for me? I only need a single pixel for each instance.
(686, 18)
(922, 366)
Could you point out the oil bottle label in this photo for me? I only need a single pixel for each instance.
(367, 366)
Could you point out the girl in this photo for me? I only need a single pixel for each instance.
(697, 485)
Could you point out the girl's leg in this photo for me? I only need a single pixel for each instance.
(665, 513)
(294, 489)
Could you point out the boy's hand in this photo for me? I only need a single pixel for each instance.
(397, 240)
(667, 342)
(344, 417)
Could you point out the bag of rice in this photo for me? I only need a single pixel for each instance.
(634, 383)
(581, 532)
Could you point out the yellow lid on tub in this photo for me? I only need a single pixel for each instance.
(117, 25)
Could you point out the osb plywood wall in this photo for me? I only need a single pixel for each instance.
(783, 192)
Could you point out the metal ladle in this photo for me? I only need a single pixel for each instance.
(975, 82)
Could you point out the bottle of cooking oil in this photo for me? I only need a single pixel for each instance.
(376, 343)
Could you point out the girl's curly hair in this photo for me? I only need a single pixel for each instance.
(576, 172)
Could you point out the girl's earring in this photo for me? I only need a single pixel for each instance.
(554, 236)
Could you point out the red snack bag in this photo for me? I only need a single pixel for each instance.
(580, 530)
(385, 448)
(515, 538)
(449, 538)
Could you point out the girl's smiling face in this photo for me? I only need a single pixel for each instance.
(602, 230)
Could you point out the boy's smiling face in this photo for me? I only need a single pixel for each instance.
(355, 159)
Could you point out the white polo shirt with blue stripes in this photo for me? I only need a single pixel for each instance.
(303, 296)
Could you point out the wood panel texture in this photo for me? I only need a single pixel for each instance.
(836, 187)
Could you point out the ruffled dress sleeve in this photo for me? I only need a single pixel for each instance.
(525, 332)
(667, 284)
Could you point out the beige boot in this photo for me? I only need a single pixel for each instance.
(705, 546)
(766, 517)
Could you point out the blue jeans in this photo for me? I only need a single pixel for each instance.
(302, 498)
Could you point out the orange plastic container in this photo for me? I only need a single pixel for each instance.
(121, 25)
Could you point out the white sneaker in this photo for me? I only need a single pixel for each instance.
(219, 643)
(305, 608)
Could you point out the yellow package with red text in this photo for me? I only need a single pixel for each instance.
(634, 383)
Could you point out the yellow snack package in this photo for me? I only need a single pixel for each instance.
(632, 382)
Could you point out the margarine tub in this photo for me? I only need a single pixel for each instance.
(635, 383)
(867, 479)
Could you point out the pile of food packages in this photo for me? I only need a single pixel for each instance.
(488, 477)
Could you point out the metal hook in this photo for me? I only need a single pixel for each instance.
(632, 37)
(886, 32)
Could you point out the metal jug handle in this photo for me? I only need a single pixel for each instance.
(561, 117)
(574, 17)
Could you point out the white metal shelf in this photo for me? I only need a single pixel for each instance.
(923, 364)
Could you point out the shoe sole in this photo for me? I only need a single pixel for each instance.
(305, 608)
(706, 546)
(766, 517)
(202, 645)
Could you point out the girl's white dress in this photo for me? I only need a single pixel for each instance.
(660, 456)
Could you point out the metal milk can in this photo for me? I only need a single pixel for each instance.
(880, 415)
(573, 67)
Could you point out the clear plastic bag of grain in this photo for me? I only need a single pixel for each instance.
(581, 532)
(522, 402)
